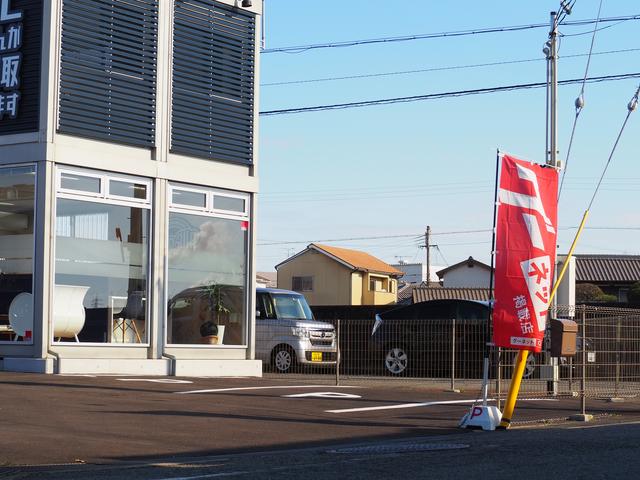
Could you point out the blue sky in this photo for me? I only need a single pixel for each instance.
(392, 170)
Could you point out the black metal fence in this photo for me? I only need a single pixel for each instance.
(449, 353)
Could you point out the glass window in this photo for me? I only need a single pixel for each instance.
(378, 284)
(230, 204)
(189, 198)
(17, 218)
(128, 189)
(302, 284)
(291, 307)
(81, 183)
(101, 270)
(207, 280)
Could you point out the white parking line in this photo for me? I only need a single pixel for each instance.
(271, 387)
(603, 426)
(323, 395)
(427, 404)
(155, 380)
(401, 405)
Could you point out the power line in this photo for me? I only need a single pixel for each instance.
(579, 103)
(435, 69)
(340, 239)
(630, 109)
(424, 36)
(615, 182)
(375, 189)
(433, 96)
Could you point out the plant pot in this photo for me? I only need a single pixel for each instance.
(209, 340)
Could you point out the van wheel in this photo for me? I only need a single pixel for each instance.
(283, 358)
(396, 360)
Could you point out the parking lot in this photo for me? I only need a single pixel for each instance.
(58, 419)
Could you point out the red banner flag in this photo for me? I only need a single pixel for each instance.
(525, 253)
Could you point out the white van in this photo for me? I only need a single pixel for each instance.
(287, 334)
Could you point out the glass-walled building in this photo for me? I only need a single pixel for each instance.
(128, 176)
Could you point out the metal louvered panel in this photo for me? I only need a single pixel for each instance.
(108, 70)
(213, 75)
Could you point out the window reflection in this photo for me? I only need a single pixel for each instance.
(17, 213)
(207, 280)
(101, 265)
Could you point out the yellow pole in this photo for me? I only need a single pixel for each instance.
(569, 255)
(514, 388)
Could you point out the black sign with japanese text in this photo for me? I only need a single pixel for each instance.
(20, 62)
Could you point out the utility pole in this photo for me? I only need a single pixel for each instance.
(427, 246)
(551, 50)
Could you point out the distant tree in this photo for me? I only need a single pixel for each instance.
(634, 293)
(588, 292)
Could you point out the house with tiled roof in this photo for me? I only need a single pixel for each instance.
(426, 294)
(328, 275)
(469, 273)
(614, 274)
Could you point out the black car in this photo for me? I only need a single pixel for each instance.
(437, 338)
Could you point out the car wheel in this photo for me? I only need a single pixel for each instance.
(529, 366)
(283, 358)
(396, 360)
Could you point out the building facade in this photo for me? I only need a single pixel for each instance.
(128, 175)
(329, 275)
(469, 273)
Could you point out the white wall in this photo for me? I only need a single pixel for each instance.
(467, 277)
(413, 272)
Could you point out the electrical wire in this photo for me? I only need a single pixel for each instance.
(433, 96)
(458, 33)
(589, 31)
(579, 104)
(435, 69)
(292, 242)
(630, 109)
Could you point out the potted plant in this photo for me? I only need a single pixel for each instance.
(209, 333)
(216, 310)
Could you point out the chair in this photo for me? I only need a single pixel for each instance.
(133, 310)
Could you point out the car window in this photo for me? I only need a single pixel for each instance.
(265, 306)
(291, 307)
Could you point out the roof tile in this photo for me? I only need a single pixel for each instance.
(359, 260)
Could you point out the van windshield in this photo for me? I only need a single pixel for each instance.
(291, 307)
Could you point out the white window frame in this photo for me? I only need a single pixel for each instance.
(104, 197)
(182, 206)
(209, 211)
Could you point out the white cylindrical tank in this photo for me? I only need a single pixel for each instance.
(68, 310)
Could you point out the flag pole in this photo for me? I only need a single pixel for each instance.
(485, 369)
(487, 417)
(552, 160)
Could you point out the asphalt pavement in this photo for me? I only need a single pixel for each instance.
(173, 428)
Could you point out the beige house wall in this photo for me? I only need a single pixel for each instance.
(371, 297)
(331, 280)
(356, 288)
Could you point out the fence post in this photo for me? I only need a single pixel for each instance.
(583, 385)
(453, 356)
(583, 416)
(499, 378)
(338, 353)
(618, 347)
